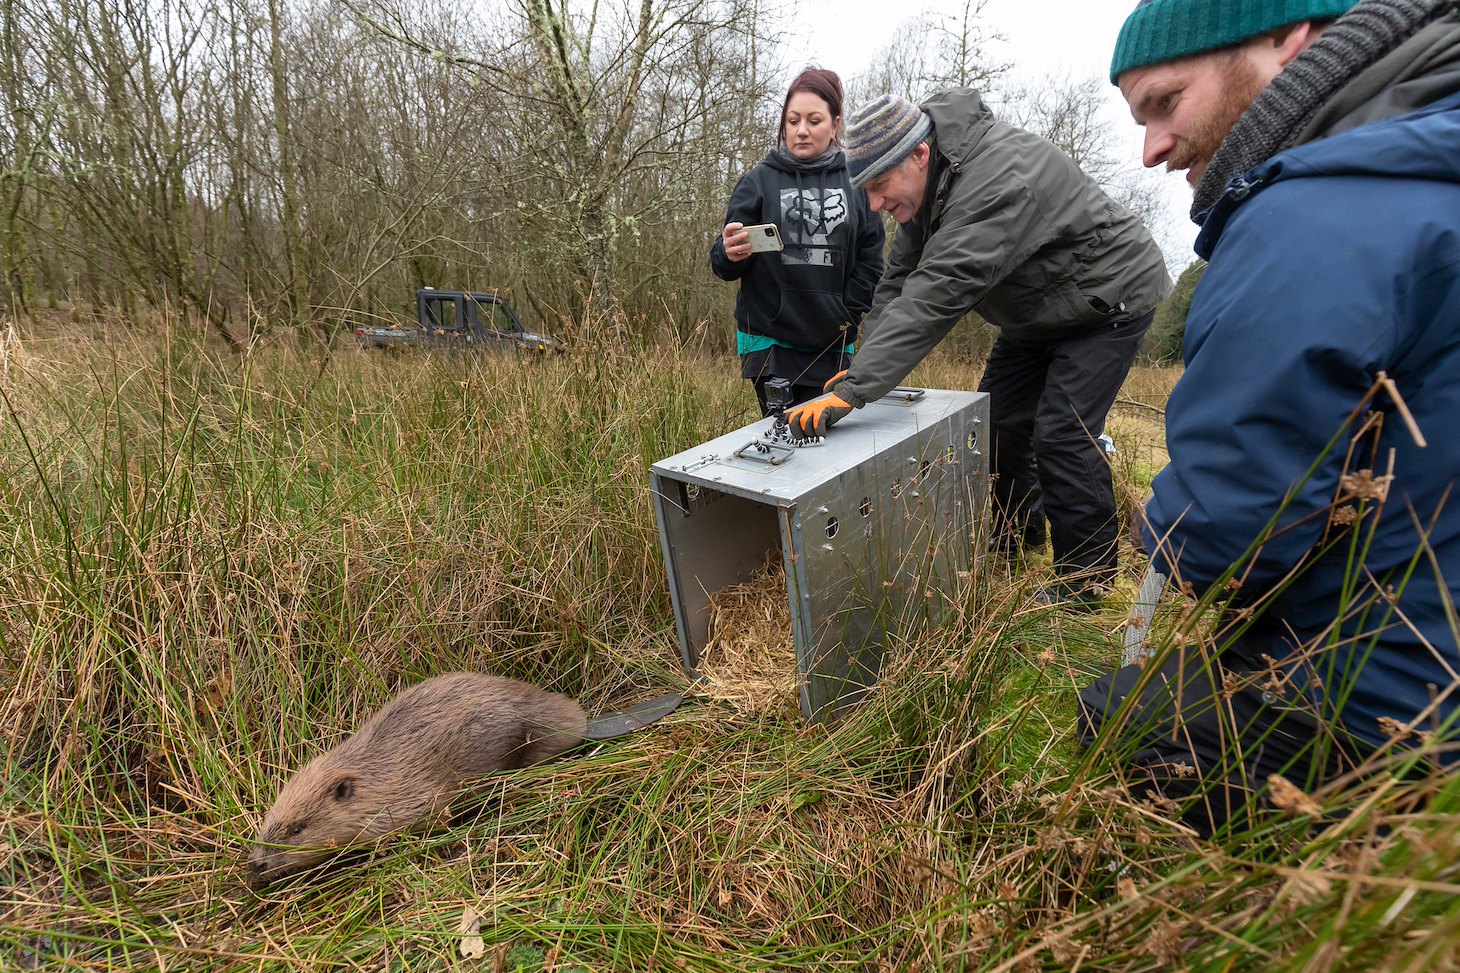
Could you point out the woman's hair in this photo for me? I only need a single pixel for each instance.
(822, 83)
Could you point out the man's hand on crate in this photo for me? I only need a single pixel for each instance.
(811, 419)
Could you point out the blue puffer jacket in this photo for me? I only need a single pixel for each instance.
(1330, 265)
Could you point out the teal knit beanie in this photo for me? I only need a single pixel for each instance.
(1163, 30)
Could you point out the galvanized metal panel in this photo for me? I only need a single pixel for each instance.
(873, 527)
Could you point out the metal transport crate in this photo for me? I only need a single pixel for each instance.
(874, 527)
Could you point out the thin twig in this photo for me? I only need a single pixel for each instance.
(1142, 405)
(1404, 413)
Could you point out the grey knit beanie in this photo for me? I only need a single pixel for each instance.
(881, 134)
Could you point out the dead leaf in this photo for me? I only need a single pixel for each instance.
(215, 694)
(1287, 796)
(1308, 889)
(472, 944)
(1164, 941)
(1395, 730)
(1364, 485)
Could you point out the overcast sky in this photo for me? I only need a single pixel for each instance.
(1040, 38)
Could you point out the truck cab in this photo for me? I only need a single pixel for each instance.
(458, 320)
(473, 318)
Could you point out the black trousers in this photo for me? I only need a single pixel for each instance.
(1047, 403)
(1207, 735)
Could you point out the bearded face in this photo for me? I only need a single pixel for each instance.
(1241, 84)
(1188, 106)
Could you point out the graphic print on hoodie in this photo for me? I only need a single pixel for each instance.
(809, 216)
(811, 295)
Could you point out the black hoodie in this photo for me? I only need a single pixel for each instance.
(832, 260)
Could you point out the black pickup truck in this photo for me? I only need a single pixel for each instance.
(458, 320)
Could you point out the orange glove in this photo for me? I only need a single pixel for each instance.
(811, 419)
(833, 380)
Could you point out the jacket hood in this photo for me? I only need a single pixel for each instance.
(792, 165)
(960, 121)
(1417, 146)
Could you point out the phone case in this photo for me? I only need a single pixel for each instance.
(764, 238)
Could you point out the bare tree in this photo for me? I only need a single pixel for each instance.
(613, 113)
(289, 193)
(933, 51)
(259, 164)
(1067, 112)
(24, 128)
(122, 75)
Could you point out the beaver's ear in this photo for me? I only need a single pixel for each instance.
(345, 789)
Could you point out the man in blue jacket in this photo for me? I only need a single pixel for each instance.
(1311, 488)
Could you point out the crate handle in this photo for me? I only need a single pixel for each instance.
(764, 451)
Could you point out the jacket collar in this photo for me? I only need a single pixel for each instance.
(1389, 148)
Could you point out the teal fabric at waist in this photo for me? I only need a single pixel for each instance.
(746, 343)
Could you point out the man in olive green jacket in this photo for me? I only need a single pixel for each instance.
(998, 221)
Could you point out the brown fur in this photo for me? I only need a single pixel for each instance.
(403, 767)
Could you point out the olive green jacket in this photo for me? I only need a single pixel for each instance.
(1012, 229)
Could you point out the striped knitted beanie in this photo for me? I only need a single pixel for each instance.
(881, 134)
(1164, 30)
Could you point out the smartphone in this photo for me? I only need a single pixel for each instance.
(764, 238)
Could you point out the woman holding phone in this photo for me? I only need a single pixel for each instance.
(799, 305)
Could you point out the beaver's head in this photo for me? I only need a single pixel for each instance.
(330, 804)
(317, 812)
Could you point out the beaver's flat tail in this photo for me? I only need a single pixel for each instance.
(617, 723)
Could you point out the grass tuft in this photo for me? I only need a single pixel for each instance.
(216, 568)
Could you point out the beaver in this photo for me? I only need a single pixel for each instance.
(402, 769)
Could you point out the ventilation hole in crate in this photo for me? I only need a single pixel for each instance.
(832, 526)
(972, 439)
(951, 456)
(923, 470)
(865, 509)
(897, 488)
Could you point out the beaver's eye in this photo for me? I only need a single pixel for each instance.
(296, 831)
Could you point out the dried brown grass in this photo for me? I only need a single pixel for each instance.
(749, 662)
(408, 517)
